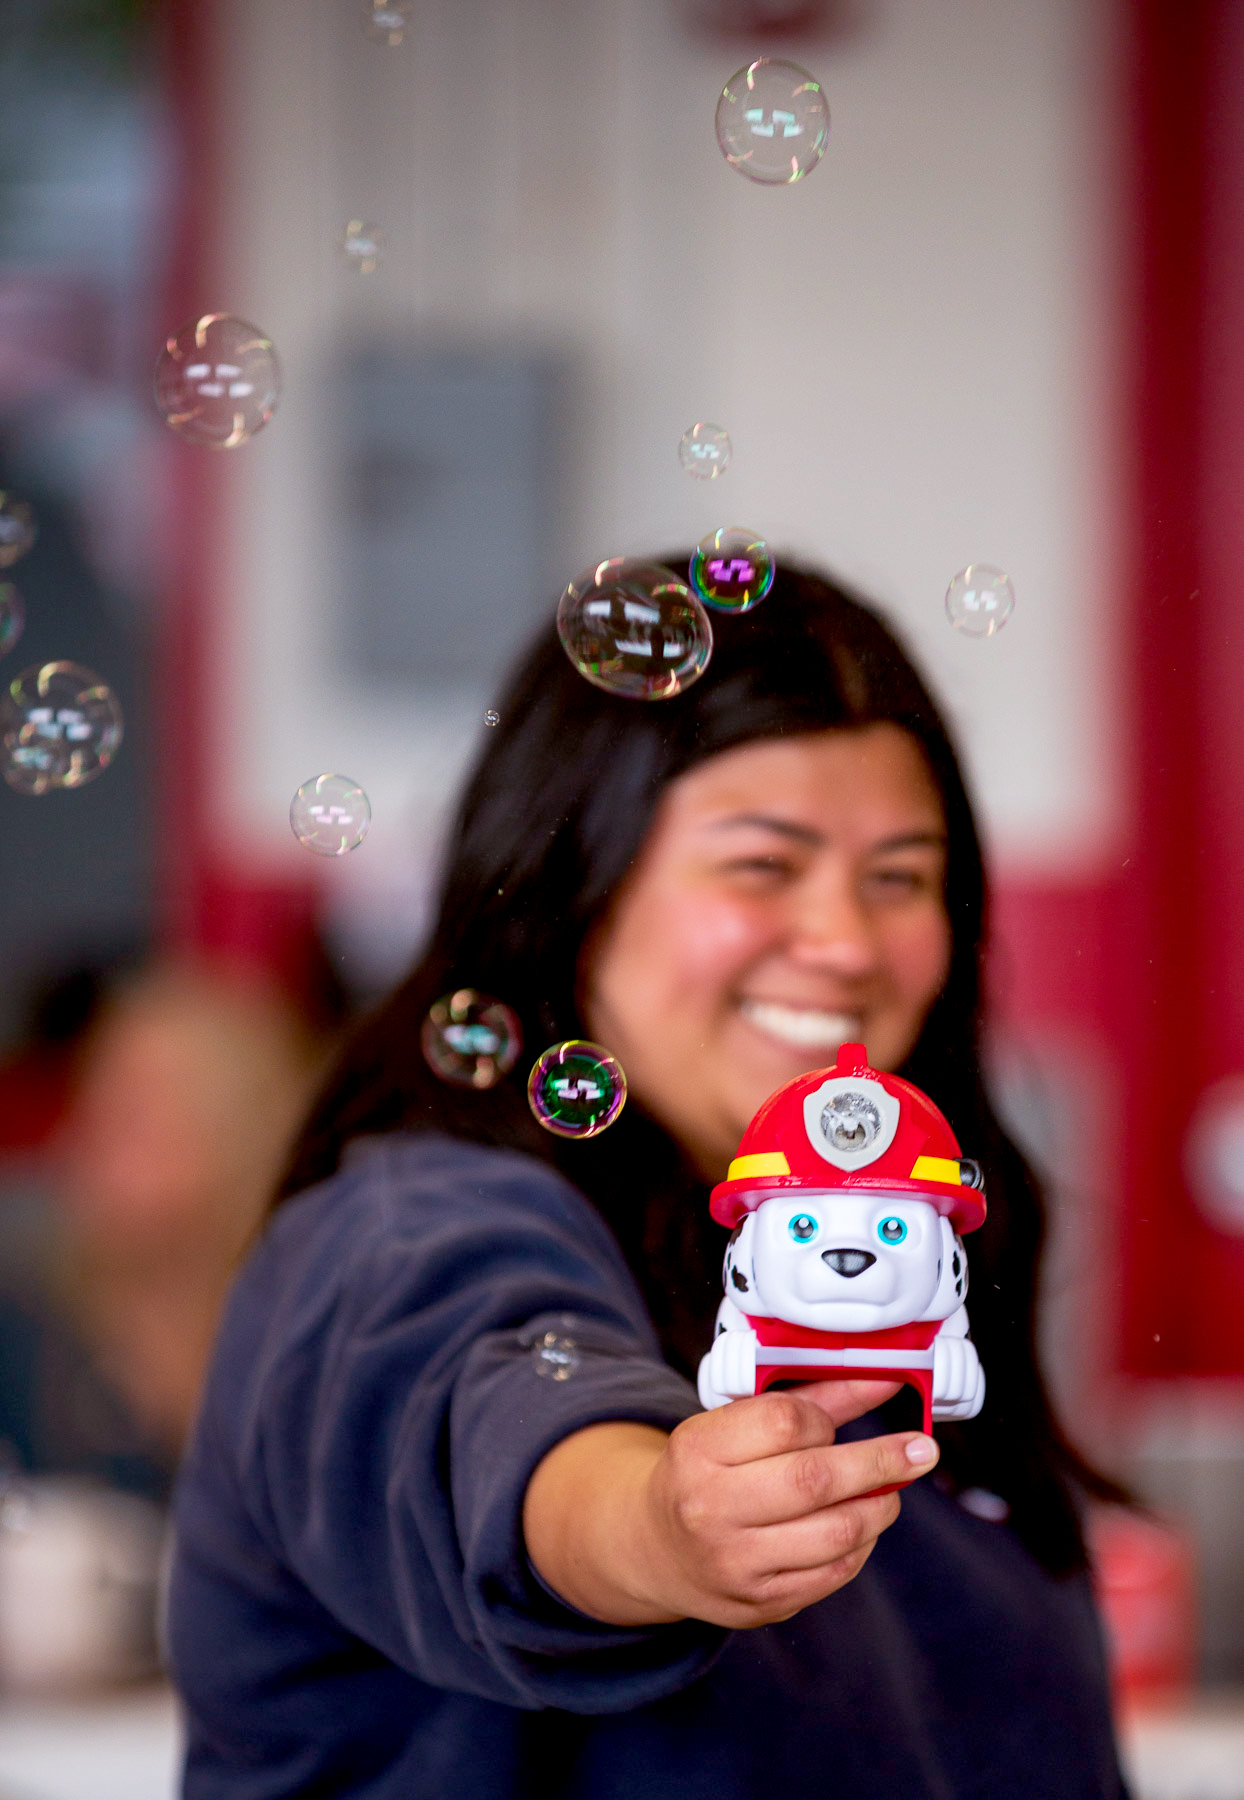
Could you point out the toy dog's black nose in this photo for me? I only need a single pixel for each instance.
(848, 1262)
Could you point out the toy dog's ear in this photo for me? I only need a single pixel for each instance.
(738, 1275)
(952, 1275)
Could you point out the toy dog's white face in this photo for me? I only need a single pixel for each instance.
(837, 1262)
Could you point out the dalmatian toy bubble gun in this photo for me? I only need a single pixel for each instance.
(848, 1201)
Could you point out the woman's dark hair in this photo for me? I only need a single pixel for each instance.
(553, 817)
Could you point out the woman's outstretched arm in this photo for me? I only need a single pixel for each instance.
(740, 1516)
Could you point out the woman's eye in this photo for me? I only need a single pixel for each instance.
(898, 881)
(772, 866)
(891, 1231)
(803, 1228)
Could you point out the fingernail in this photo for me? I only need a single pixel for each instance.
(921, 1450)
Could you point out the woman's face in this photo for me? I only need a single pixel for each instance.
(787, 899)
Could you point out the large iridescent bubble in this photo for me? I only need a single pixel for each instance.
(772, 122)
(470, 1039)
(60, 727)
(217, 381)
(635, 629)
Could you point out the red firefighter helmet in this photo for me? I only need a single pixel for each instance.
(851, 1127)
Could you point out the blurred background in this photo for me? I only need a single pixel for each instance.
(1000, 323)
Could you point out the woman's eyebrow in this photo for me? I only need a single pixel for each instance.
(908, 840)
(801, 834)
(807, 834)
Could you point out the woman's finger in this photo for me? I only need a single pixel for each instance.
(842, 1401)
(823, 1538)
(748, 1431)
(809, 1479)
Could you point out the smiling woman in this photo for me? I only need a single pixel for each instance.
(453, 1514)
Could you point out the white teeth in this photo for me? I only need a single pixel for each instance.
(805, 1027)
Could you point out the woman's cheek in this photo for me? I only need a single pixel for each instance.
(720, 936)
(920, 954)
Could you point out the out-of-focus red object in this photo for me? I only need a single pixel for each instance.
(33, 1091)
(1145, 1575)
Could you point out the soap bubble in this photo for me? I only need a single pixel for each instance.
(362, 245)
(217, 381)
(772, 122)
(17, 529)
(60, 727)
(732, 569)
(704, 450)
(330, 814)
(12, 616)
(554, 1356)
(491, 717)
(576, 1089)
(471, 1040)
(979, 600)
(634, 629)
(387, 22)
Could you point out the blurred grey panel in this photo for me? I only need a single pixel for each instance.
(447, 473)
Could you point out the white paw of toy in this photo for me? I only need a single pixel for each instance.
(709, 1397)
(732, 1364)
(958, 1379)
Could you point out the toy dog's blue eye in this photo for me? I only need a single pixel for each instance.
(803, 1228)
(891, 1231)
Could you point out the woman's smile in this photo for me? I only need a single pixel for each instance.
(802, 1027)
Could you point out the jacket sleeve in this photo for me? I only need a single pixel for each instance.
(399, 1401)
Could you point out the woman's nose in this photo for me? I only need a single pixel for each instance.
(833, 932)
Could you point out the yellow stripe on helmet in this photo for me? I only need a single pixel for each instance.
(767, 1162)
(935, 1168)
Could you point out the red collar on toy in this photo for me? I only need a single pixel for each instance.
(805, 1337)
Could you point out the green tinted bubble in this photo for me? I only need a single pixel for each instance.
(576, 1089)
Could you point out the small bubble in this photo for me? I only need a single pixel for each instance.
(387, 23)
(471, 1040)
(772, 122)
(555, 1357)
(491, 717)
(704, 450)
(362, 245)
(732, 569)
(576, 1089)
(217, 381)
(12, 616)
(17, 529)
(330, 815)
(634, 629)
(60, 727)
(979, 600)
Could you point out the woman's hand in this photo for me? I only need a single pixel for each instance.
(741, 1516)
